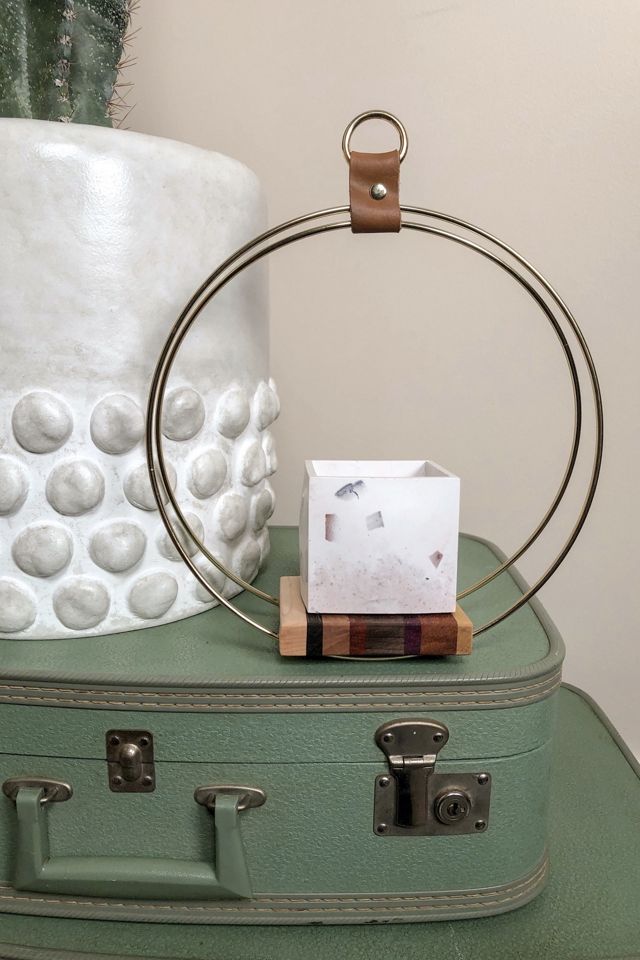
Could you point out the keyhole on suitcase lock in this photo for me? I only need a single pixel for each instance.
(452, 806)
(418, 796)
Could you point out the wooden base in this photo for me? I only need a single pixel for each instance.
(305, 634)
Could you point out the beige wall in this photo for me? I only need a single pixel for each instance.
(523, 117)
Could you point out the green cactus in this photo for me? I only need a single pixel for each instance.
(60, 59)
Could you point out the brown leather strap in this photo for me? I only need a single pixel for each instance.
(380, 173)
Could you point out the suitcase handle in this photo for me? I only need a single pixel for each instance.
(131, 877)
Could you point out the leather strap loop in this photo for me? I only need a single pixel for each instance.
(374, 192)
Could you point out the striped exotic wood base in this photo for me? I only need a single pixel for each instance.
(305, 634)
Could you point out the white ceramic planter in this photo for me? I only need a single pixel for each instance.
(104, 235)
(379, 537)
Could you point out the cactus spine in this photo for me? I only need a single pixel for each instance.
(61, 59)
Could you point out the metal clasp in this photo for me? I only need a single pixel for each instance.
(411, 747)
(130, 761)
(414, 800)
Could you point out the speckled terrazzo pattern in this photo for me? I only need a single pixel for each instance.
(94, 558)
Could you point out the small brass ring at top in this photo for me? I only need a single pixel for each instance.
(375, 115)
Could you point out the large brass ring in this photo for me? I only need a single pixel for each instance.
(292, 231)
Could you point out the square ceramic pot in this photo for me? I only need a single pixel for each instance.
(379, 537)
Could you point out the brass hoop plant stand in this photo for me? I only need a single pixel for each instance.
(325, 221)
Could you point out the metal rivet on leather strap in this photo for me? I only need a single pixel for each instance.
(378, 191)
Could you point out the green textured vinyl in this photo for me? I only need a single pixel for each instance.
(189, 737)
(215, 648)
(315, 826)
(589, 911)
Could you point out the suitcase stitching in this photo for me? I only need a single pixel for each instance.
(337, 693)
(520, 886)
(284, 706)
(549, 685)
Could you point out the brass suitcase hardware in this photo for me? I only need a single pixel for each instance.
(414, 800)
(130, 761)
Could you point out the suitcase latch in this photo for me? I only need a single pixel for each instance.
(130, 761)
(414, 800)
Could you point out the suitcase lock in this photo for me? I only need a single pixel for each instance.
(414, 800)
(130, 761)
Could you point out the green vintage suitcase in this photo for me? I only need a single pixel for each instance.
(104, 741)
(588, 911)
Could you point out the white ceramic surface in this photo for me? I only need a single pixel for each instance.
(379, 537)
(104, 235)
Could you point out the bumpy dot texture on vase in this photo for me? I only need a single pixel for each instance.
(183, 414)
(266, 405)
(165, 543)
(86, 553)
(262, 507)
(118, 546)
(17, 607)
(253, 464)
(232, 412)
(231, 516)
(207, 473)
(41, 422)
(42, 549)
(74, 487)
(81, 603)
(14, 486)
(138, 490)
(215, 577)
(265, 546)
(117, 424)
(152, 596)
(247, 560)
(269, 449)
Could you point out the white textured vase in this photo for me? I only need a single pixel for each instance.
(104, 235)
